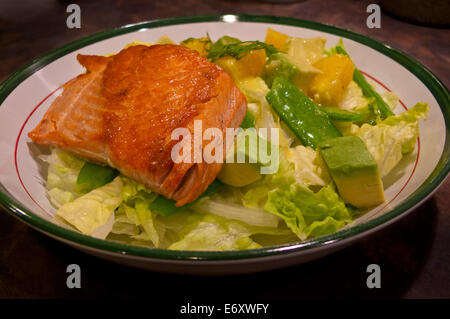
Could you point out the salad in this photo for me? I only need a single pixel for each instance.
(338, 139)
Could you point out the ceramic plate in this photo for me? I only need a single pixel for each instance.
(27, 94)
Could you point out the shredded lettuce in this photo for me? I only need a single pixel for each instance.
(298, 201)
(255, 217)
(306, 213)
(390, 139)
(94, 210)
(334, 50)
(136, 205)
(306, 51)
(309, 167)
(212, 232)
(353, 98)
(391, 99)
(63, 170)
(124, 225)
(145, 218)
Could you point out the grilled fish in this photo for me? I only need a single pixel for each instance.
(123, 110)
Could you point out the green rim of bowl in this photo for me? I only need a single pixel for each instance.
(439, 91)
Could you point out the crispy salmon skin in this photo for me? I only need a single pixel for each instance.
(123, 110)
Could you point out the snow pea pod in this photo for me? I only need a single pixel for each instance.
(92, 176)
(166, 207)
(340, 115)
(300, 114)
(248, 121)
(368, 90)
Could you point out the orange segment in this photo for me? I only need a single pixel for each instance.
(250, 65)
(277, 39)
(328, 87)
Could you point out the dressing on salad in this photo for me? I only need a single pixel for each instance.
(338, 139)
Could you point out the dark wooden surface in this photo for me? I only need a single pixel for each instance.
(413, 253)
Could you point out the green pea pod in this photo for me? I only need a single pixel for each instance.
(248, 121)
(339, 115)
(300, 114)
(368, 90)
(92, 176)
(166, 207)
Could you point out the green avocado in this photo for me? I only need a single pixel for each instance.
(354, 170)
(244, 168)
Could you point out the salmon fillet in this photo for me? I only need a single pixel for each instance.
(74, 121)
(123, 110)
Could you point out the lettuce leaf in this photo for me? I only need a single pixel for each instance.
(211, 232)
(93, 213)
(391, 99)
(353, 98)
(334, 50)
(137, 199)
(146, 219)
(123, 224)
(254, 217)
(63, 170)
(390, 139)
(306, 213)
(309, 167)
(255, 195)
(306, 51)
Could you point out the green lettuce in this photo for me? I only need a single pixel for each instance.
(390, 139)
(143, 217)
(391, 99)
(211, 232)
(255, 217)
(309, 167)
(306, 51)
(123, 224)
(334, 50)
(93, 213)
(353, 98)
(410, 119)
(306, 213)
(136, 201)
(297, 64)
(255, 195)
(63, 170)
(299, 165)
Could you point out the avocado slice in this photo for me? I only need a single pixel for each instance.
(237, 173)
(354, 170)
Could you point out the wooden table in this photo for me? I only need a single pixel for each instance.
(413, 253)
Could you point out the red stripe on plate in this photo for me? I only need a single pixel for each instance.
(18, 138)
